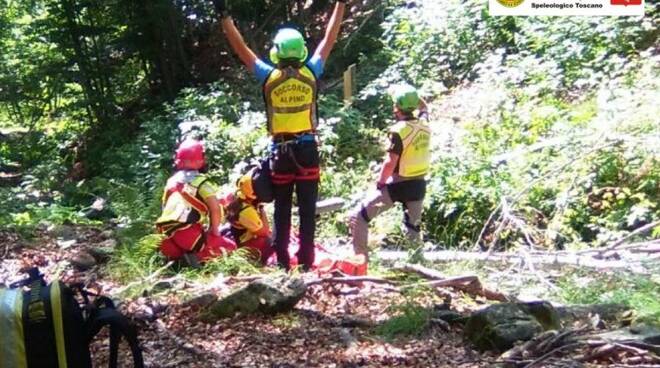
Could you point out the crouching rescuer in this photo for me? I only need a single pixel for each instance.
(402, 175)
(190, 201)
(247, 218)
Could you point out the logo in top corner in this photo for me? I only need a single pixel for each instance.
(514, 3)
(625, 2)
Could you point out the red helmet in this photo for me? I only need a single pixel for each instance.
(190, 155)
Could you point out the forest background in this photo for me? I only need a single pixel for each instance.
(546, 129)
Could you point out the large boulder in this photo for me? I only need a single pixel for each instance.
(267, 296)
(499, 326)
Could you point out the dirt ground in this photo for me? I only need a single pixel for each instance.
(333, 326)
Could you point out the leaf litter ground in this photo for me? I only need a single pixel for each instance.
(335, 325)
(321, 332)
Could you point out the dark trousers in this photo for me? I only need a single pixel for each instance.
(307, 193)
(295, 168)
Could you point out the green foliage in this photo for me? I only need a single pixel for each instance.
(140, 259)
(239, 262)
(641, 293)
(558, 120)
(410, 320)
(24, 213)
(137, 260)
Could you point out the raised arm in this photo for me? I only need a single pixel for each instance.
(234, 37)
(423, 109)
(325, 46)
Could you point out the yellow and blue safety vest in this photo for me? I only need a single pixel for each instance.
(290, 96)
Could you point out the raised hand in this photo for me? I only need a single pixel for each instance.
(220, 7)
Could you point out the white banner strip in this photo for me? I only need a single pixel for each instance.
(567, 7)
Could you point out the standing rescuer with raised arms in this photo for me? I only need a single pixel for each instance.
(402, 176)
(290, 88)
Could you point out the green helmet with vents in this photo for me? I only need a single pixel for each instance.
(406, 98)
(288, 44)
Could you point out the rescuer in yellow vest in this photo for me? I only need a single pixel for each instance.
(290, 88)
(247, 219)
(189, 200)
(402, 176)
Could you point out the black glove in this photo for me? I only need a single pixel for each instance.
(220, 7)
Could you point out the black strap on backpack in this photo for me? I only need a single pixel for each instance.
(104, 314)
(34, 275)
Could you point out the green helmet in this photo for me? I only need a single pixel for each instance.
(406, 98)
(288, 44)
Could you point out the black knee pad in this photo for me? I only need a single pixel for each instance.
(364, 214)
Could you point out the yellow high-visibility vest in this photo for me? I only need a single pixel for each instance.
(415, 159)
(290, 96)
(182, 206)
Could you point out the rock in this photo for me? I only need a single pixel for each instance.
(108, 243)
(83, 261)
(544, 313)
(203, 300)
(499, 326)
(64, 244)
(159, 308)
(356, 322)
(162, 285)
(63, 232)
(607, 312)
(107, 234)
(347, 338)
(101, 254)
(650, 334)
(449, 316)
(145, 313)
(98, 210)
(267, 296)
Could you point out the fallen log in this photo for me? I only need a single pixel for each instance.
(557, 259)
(469, 284)
(426, 272)
(329, 205)
(10, 179)
(454, 281)
(641, 230)
(146, 280)
(350, 280)
(478, 289)
(651, 248)
(651, 245)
